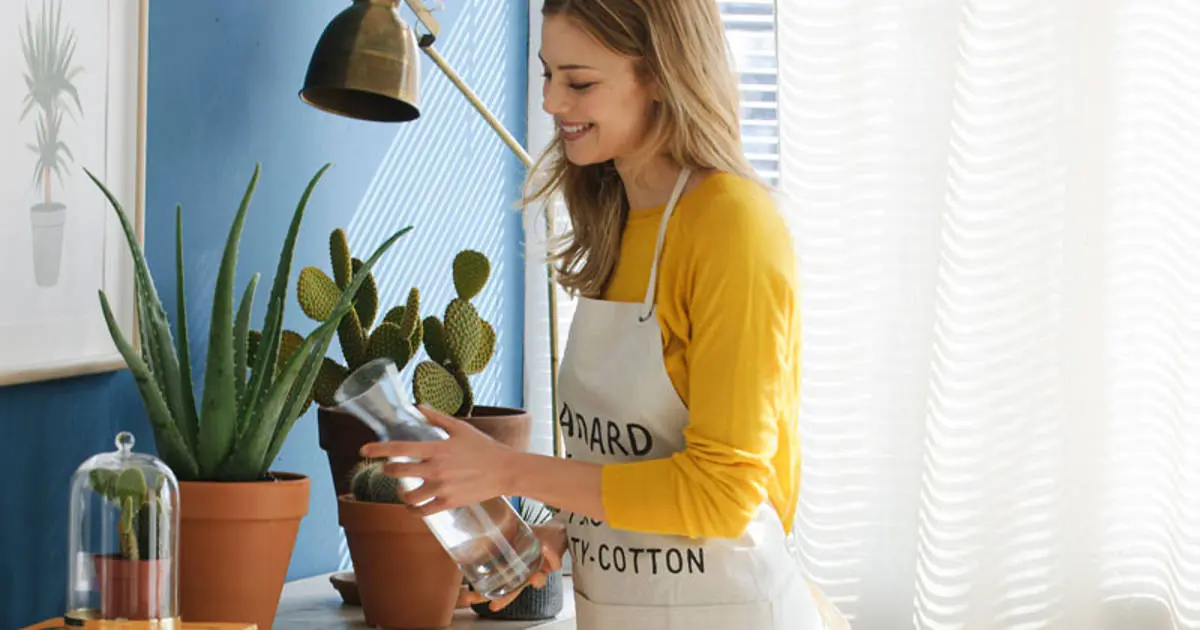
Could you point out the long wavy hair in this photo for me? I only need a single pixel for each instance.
(679, 45)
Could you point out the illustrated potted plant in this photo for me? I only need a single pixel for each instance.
(49, 50)
(405, 577)
(144, 552)
(239, 518)
(459, 346)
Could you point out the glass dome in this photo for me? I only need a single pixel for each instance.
(123, 539)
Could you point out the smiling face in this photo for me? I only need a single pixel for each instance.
(601, 107)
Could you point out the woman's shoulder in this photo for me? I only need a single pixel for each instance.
(732, 210)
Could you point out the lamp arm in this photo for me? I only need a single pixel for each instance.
(479, 106)
(552, 296)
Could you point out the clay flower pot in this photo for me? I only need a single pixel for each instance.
(236, 541)
(406, 580)
(134, 589)
(506, 425)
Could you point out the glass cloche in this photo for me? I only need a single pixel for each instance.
(123, 539)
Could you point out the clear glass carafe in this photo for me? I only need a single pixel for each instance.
(123, 539)
(496, 550)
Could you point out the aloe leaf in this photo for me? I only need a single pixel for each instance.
(245, 463)
(308, 376)
(267, 354)
(167, 437)
(151, 314)
(188, 421)
(241, 337)
(218, 412)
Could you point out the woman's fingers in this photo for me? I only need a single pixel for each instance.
(400, 448)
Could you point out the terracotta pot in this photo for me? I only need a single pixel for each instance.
(236, 540)
(138, 590)
(504, 424)
(406, 580)
(340, 435)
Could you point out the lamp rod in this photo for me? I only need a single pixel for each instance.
(479, 106)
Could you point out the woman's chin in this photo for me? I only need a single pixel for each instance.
(580, 156)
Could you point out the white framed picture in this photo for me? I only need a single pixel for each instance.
(73, 98)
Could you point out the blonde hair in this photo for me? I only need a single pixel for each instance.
(679, 45)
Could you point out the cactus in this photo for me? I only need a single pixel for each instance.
(397, 337)
(140, 510)
(370, 483)
(459, 345)
(247, 410)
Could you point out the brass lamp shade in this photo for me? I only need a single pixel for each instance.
(366, 65)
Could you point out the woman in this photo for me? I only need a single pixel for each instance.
(679, 385)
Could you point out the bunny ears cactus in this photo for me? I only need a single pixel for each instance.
(459, 346)
(397, 337)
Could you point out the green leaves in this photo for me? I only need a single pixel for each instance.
(241, 424)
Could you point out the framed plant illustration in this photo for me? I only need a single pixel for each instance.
(74, 97)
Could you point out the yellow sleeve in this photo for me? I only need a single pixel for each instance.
(741, 297)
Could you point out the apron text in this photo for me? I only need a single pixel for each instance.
(637, 560)
(606, 436)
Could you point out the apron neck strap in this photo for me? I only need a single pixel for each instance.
(652, 287)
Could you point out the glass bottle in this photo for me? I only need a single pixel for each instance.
(123, 539)
(495, 549)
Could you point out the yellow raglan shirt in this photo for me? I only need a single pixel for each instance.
(728, 304)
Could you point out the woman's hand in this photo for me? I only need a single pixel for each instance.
(469, 467)
(554, 545)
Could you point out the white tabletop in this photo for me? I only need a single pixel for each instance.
(312, 603)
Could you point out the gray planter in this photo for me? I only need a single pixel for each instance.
(531, 605)
(47, 242)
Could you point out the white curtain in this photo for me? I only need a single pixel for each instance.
(996, 208)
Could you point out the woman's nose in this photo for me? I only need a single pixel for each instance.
(553, 102)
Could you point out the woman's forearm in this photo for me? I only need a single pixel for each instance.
(567, 484)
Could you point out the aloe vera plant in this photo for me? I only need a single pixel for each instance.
(247, 407)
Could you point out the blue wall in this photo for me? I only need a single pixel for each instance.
(222, 96)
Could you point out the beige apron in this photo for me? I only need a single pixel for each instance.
(618, 405)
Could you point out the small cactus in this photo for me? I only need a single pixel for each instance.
(129, 491)
(459, 345)
(397, 336)
(370, 483)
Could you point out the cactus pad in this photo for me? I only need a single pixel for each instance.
(317, 293)
(487, 346)
(464, 331)
(339, 257)
(435, 340)
(366, 301)
(471, 270)
(329, 379)
(390, 341)
(434, 386)
(395, 315)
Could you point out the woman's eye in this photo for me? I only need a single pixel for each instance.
(581, 86)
